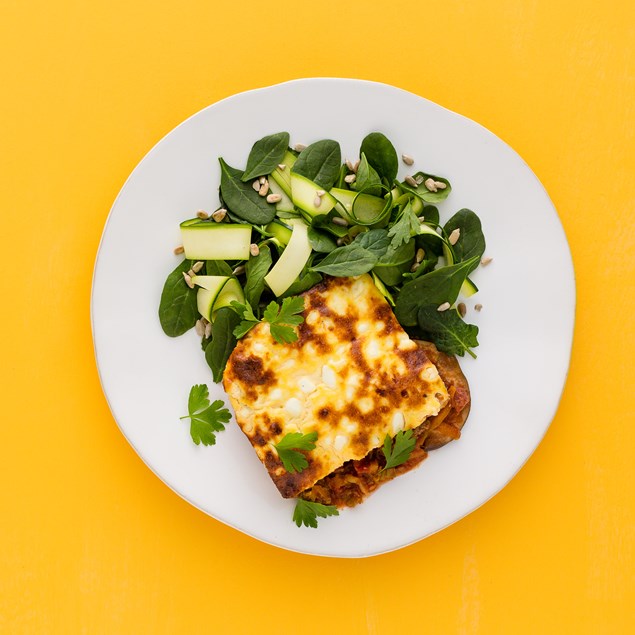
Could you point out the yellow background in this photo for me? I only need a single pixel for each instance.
(91, 541)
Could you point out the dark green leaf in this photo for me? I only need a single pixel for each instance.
(288, 450)
(424, 193)
(307, 512)
(447, 330)
(265, 155)
(351, 260)
(381, 155)
(376, 241)
(405, 228)
(305, 281)
(367, 179)
(320, 163)
(256, 269)
(398, 450)
(438, 286)
(242, 200)
(395, 262)
(471, 242)
(223, 341)
(321, 242)
(217, 268)
(177, 308)
(205, 419)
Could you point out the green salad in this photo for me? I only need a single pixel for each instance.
(295, 215)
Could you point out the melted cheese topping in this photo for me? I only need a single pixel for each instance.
(353, 376)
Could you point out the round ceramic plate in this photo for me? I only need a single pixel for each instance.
(526, 325)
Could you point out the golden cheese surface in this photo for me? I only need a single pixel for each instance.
(353, 376)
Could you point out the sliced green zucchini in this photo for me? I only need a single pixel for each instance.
(283, 177)
(304, 195)
(381, 287)
(280, 230)
(230, 292)
(292, 261)
(285, 204)
(215, 293)
(468, 288)
(216, 241)
(360, 208)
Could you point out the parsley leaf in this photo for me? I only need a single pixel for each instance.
(306, 512)
(400, 452)
(288, 447)
(406, 227)
(205, 419)
(281, 319)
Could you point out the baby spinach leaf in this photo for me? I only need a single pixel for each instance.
(305, 281)
(435, 288)
(223, 341)
(447, 330)
(320, 163)
(381, 155)
(265, 155)
(351, 260)
(321, 242)
(376, 241)
(367, 178)
(241, 199)
(431, 214)
(256, 269)
(217, 268)
(471, 242)
(424, 193)
(177, 308)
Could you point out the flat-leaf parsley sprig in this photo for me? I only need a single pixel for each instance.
(281, 319)
(205, 418)
(400, 451)
(288, 450)
(307, 512)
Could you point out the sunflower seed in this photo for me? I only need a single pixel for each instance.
(262, 180)
(440, 185)
(264, 189)
(197, 266)
(188, 280)
(462, 309)
(317, 201)
(240, 269)
(274, 198)
(340, 241)
(478, 307)
(454, 236)
(179, 250)
(443, 307)
(199, 327)
(202, 214)
(355, 166)
(320, 192)
(420, 254)
(350, 178)
(421, 219)
(430, 185)
(256, 185)
(410, 181)
(349, 165)
(342, 222)
(298, 147)
(485, 261)
(219, 214)
(415, 266)
(254, 250)
(208, 329)
(407, 159)
(282, 166)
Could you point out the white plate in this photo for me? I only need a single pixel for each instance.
(526, 326)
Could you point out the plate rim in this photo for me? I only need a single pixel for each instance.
(383, 85)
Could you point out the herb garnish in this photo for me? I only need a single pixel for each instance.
(398, 452)
(205, 419)
(288, 450)
(281, 319)
(306, 512)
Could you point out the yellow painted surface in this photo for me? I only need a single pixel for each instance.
(90, 540)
